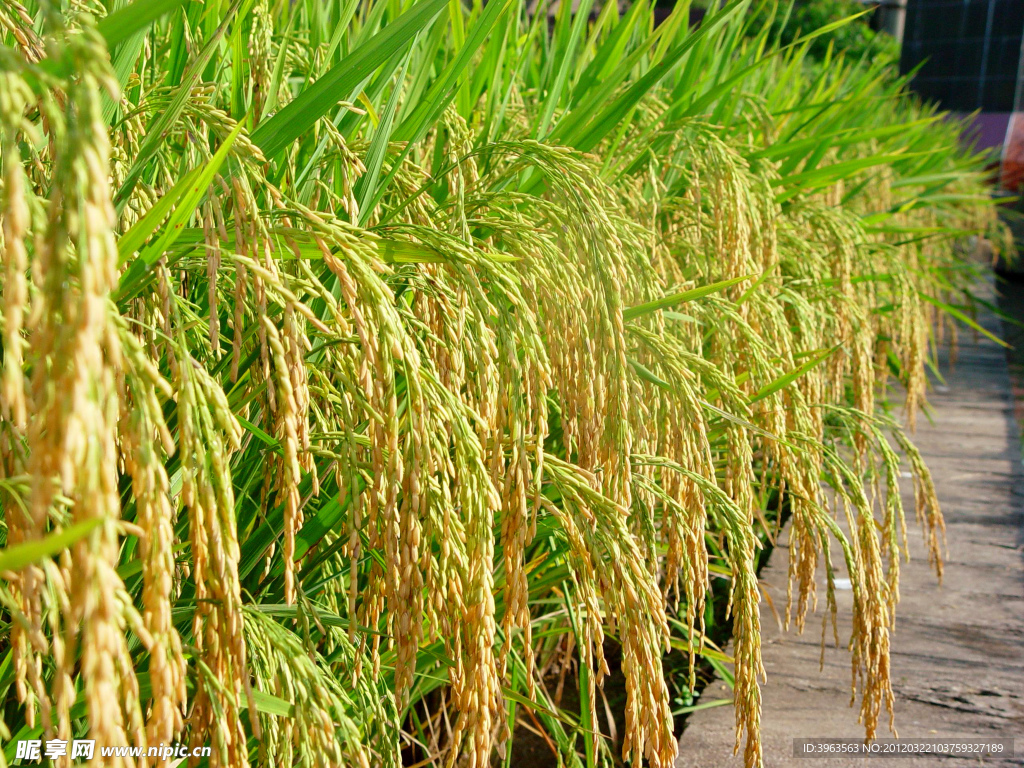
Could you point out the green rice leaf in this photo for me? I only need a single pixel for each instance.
(682, 297)
(187, 200)
(122, 24)
(339, 83)
(784, 381)
(17, 557)
(963, 318)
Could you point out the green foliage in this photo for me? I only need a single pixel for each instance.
(855, 40)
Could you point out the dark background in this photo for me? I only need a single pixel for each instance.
(972, 48)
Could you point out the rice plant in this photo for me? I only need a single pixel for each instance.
(370, 368)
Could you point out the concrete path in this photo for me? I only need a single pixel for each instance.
(958, 649)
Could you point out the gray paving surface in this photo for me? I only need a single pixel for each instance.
(958, 649)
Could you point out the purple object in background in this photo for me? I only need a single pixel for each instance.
(986, 130)
(1002, 134)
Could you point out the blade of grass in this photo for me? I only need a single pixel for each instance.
(17, 557)
(681, 298)
(339, 83)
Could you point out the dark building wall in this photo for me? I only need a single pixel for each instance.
(971, 50)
